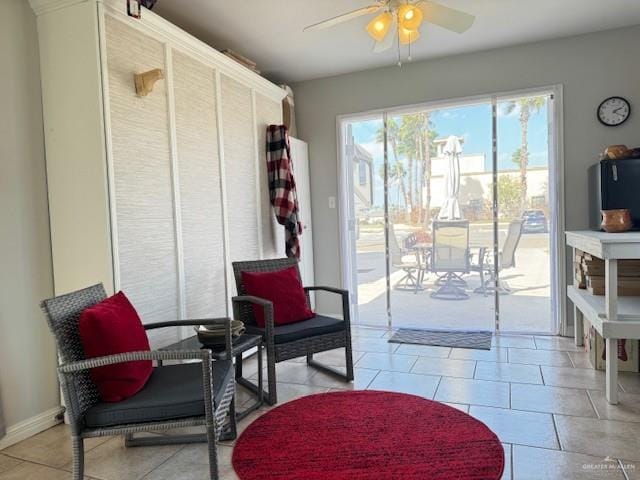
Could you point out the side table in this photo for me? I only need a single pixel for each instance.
(239, 345)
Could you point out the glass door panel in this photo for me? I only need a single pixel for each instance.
(525, 213)
(364, 156)
(440, 198)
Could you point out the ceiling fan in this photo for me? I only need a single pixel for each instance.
(401, 20)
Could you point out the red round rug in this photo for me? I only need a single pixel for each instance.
(362, 435)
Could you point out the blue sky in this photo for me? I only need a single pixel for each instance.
(474, 124)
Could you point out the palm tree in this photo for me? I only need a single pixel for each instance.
(429, 149)
(407, 148)
(527, 106)
(411, 139)
(397, 174)
(392, 136)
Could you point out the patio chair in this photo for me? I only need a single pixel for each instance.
(175, 396)
(506, 259)
(406, 259)
(293, 340)
(450, 258)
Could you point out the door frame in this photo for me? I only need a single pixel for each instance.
(558, 258)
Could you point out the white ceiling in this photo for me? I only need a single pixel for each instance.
(270, 31)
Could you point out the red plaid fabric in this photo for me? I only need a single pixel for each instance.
(282, 187)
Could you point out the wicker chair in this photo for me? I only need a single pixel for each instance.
(285, 342)
(176, 396)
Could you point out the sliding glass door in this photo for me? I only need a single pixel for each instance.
(524, 212)
(448, 215)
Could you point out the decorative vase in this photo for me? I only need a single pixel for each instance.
(615, 221)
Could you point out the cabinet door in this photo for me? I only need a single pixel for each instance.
(145, 246)
(300, 157)
(268, 112)
(240, 170)
(200, 198)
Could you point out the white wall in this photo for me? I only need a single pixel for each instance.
(28, 385)
(591, 67)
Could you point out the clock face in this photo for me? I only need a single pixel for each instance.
(614, 111)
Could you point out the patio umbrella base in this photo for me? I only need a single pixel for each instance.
(451, 278)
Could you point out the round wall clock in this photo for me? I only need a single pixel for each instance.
(614, 111)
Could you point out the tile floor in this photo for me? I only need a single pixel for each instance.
(537, 393)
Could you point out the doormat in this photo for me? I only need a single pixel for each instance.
(480, 340)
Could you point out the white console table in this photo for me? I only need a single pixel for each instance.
(612, 316)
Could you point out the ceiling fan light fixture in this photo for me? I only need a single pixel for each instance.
(379, 26)
(406, 36)
(409, 17)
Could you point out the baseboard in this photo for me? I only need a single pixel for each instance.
(31, 426)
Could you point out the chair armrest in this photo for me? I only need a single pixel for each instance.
(267, 307)
(198, 322)
(75, 367)
(252, 299)
(337, 291)
(187, 323)
(346, 311)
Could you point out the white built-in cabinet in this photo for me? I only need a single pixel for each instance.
(155, 195)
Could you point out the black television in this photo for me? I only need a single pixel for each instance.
(614, 184)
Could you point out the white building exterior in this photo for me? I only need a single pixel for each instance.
(476, 181)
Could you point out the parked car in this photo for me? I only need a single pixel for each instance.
(534, 221)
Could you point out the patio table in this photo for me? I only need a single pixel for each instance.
(424, 250)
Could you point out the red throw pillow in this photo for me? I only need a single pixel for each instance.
(284, 289)
(109, 327)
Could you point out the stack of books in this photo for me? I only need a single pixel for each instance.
(590, 274)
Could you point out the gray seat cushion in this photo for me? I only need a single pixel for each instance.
(318, 325)
(172, 392)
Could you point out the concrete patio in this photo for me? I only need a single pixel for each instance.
(526, 309)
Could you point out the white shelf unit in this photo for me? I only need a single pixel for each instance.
(612, 316)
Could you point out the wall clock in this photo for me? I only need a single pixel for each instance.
(614, 111)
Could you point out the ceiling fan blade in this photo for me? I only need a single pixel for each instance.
(449, 18)
(387, 41)
(345, 17)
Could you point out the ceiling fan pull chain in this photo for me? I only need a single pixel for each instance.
(398, 40)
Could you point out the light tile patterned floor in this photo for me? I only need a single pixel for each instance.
(538, 394)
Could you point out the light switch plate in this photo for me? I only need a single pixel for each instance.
(332, 202)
